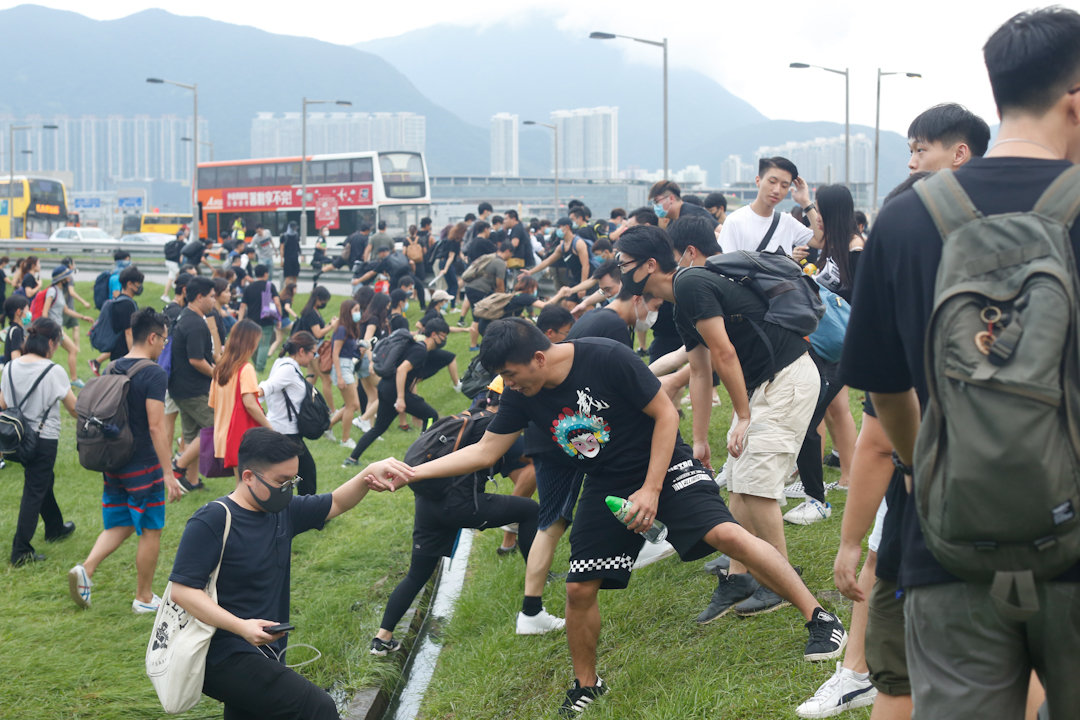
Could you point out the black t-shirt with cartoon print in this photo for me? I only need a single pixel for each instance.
(596, 416)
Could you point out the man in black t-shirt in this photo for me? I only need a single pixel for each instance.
(122, 308)
(773, 385)
(624, 313)
(965, 656)
(192, 357)
(251, 307)
(606, 413)
(668, 205)
(353, 248)
(516, 236)
(389, 262)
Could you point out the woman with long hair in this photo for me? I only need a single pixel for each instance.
(843, 241)
(343, 374)
(220, 319)
(41, 406)
(284, 390)
(28, 281)
(288, 315)
(364, 296)
(446, 252)
(374, 326)
(234, 393)
(311, 320)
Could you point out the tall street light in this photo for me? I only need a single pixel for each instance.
(205, 143)
(196, 211)
(660, 44)
(847, 114)
(303, 161)
(554, 129)
(877, 125)
(11, 172)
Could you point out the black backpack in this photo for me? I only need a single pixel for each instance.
(313, 418)
(102, 433)
(18, 438)
(172, 250)
(390, 352)
(101, 289)
(446, 435)
(476, 379)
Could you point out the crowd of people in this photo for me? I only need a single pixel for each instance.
(965, 603)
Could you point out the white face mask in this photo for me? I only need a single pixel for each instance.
(647, 322)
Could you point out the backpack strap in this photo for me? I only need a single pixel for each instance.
(1061, 201)
(290, 409)
(949, 206)
(132, 371)
(769, 235)
(33, 387)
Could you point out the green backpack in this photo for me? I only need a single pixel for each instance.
(997, 460)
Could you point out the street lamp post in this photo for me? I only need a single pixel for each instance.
(303, 161)
(847, 114)
(555, 130)
(877, 128)
(205, 143)
(196, 212)
(660, 44)
(11, 172)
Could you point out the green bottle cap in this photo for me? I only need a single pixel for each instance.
(614, 503)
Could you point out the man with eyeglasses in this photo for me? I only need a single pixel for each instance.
(666, 197)
(245, 665)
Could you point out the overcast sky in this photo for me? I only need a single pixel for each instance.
(746, 46)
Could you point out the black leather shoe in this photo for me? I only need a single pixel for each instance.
(69, 527)
(27, 559)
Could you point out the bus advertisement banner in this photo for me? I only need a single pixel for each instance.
(285, 197)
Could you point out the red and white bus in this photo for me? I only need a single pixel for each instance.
(344, 191)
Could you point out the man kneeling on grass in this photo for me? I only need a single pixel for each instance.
(605, 410)
(246, 665)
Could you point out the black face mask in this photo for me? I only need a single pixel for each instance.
(441, 344)
(277, 501)
(635, 287)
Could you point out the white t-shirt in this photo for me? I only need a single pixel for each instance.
(744, 229)
(45, 400)
(285, 377)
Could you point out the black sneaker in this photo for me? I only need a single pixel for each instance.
(718, 566)
(349, 462)
(65, 532)
(28, 558)
(832, 460)
(762, 601)
(642, 352)
(504, 551)
(827, 637)
(578, 698)
(730, 591)
(382, 647)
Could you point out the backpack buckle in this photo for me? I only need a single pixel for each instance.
(1045, 543)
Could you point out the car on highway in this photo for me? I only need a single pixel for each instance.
(148, 237)
(81, 234)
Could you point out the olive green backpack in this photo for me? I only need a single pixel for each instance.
(997, 460)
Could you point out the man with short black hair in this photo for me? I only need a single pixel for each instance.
(388, 261)
(133, 499)
(122, 308)
(192, 357)
(263, 242)
(251, 306)
(946, 136)
(246, 666)
(618, 217)
(516, 236)
(490, 278)
(668, 204)
(354, 248)
(555, 321)
(748, 227)
(379, 240)
(968, 654)
(716, 204)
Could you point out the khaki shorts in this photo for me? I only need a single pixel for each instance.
(780, 413)
(195, 414)
(886, 656)
(170, 405)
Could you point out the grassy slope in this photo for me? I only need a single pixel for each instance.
(61, 662)
(657, 661)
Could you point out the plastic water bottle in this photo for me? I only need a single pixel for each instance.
(656, 534)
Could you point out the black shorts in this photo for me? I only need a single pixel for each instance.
(437, 522)
(868, 406)
(514, 459)
(602, 547)
(474, 296)
(557, 487)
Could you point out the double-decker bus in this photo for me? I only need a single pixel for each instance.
(31, 207)
(345, 190)
(168, 223)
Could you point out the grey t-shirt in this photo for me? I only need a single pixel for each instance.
(485, 281)
(53, 388)
(56, 310)
(378, 240)
(264, 247)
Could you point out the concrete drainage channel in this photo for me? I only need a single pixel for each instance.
(419, 667)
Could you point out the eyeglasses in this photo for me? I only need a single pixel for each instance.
(283, 487)
(607, 291)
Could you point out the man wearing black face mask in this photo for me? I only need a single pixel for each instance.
(244, 662)
(123, 306)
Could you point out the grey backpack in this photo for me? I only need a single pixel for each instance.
(997, 460)
(102, 435)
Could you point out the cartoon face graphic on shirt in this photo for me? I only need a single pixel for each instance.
(580, 435)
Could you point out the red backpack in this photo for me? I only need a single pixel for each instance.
(37, 304)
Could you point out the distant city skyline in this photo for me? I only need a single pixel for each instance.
(505, 156)
(588, 142)
(278, 134)
(821, 160)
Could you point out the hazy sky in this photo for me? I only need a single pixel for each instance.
(746, 46)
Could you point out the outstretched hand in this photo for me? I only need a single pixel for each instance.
(387, 475)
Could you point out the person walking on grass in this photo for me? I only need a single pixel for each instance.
(311, 320)
(374, 326)
(56, 309)
(234, 393)
(288, 315)
(40, 406)
(192, 352)
(133, 499)
(343, 373)
(252, 307)
(245, 666)
(284, 391)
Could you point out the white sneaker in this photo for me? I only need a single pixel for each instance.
(808, 512)
(365, 425)
(542, 622)
(165, 300)
(795, 490)
(722, 477)
(143, 608)
(79, 586)
(350, 444)
(329, 435)
(511, 528)
(653, 552)
(843, 691)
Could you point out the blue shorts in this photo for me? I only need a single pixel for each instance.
(134, 496)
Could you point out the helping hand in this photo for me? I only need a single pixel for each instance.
(387, 475)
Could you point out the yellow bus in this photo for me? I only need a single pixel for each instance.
(32, 207)
(168, 223)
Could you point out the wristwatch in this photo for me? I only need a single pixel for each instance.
(808, 208)
(905, 469)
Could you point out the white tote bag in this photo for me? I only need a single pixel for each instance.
(176, 653)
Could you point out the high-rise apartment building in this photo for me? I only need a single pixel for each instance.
(735, 170)
(821, 160)
(278, 135)
(504, 145)
(588, 142)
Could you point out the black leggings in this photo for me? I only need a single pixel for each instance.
(811, 473)
(37, 500)
(254, 687)
(384, 418)
(494, 511)
(306, 469)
